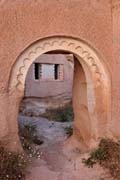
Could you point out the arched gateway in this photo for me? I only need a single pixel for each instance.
(91, 86)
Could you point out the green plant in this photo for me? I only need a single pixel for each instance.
(107, 155)
(12, 165)
(28, 137)
(61, 115)
(69, 131)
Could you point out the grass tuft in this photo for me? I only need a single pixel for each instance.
(69, 131)
(12, 165)
(28, 136)
(107, 155)
(64, 114)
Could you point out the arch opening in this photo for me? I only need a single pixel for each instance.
(91, 86)
(45, 96)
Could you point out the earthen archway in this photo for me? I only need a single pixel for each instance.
(97, 85)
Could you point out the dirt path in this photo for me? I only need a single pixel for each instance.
(59, 159)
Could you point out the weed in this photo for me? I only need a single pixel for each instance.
(69, 131)
(61, 115)
(12, 165)
(108, 156)
(28, 137)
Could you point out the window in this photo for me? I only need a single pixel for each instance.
(36, 72)
(48, 71)
(56, 71)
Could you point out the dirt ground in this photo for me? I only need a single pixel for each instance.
(59, 158)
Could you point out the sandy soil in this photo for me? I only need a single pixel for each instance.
(59, 159)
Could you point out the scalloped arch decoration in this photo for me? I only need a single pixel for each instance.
(75, 46)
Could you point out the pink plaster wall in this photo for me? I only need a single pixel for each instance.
(24, 22)
(47, 88)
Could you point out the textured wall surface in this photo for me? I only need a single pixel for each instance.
(51, 88)
(114, 124)
(94, 22)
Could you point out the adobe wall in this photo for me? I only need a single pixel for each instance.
(114, 124)
(25, 22)
(51, 88)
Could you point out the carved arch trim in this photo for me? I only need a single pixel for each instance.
(78, 47)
